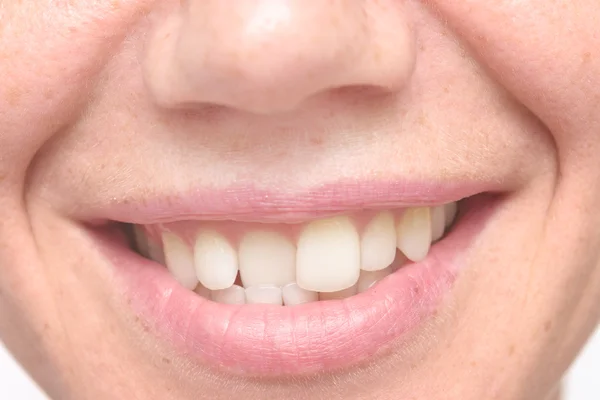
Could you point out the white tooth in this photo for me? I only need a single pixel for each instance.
(232, 295)
(369, 278)
(215, 260)
(378, 243)
(264, 294)
(328, 255)
(438, 221)
(414, 233)
(294, 295)
(141, 241)
(339, 295)
(266, 258)
(179, 260)
(202, 291)
(450, 211)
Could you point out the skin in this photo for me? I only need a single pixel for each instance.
(99, 102)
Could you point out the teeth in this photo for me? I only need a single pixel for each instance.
(267, 258)
(340, 294)
(179, 260)
(414, 233)
(264, 294)
(378, 244)
(232, 295)
(215, 260)
(438, 222)
(328, 255)
(450, 211)
(294, 295)
(329, 261)
(369, 278)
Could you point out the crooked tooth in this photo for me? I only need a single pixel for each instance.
(438, 222)
(414, 233)
(179, 260)
(340, 294)
(369, 278)
(378, 243)
(294, 295)
(266, 258)
(264, 294)
(450, 211)
(215, 260)
(234, 294)
(328, 255)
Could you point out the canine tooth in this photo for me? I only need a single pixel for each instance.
(234, 294)
(294, 295)
(264, 294)
(215, 260)
(438, 221)
(370, 278)
(266, 258)
(340, 294)
(414, 233)
(378, 243)
(328, 255)
(450, 211)
(179, 260)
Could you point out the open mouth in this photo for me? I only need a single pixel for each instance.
(291, 264)
(308, 296)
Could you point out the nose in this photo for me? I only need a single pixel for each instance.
(268, 56)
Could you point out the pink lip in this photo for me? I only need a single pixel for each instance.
(281, 341)
(246, 203)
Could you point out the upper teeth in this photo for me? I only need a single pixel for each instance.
(327, 256)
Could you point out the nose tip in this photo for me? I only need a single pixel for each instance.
(267, 56)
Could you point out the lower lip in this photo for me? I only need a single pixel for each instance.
(264, 340)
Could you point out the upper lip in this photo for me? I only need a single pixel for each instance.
(248, 204)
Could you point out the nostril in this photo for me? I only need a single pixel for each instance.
(269, 57)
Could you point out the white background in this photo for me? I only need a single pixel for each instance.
(582, 383)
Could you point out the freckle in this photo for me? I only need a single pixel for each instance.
(14, 95)
(317, 141)
(473, 364)
(166, 360)
(547, 326)
(511, 350)
(587, 56)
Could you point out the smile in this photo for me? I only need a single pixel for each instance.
(277, 293)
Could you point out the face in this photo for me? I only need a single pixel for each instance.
(299, 199)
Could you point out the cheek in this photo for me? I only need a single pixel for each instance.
(50, 53)
(544, 52)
